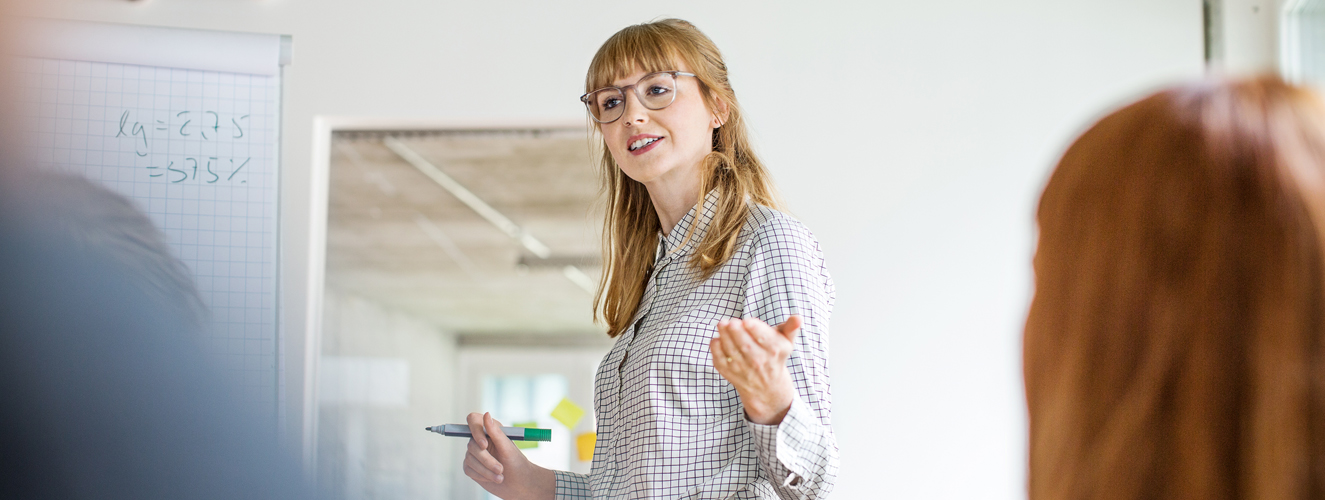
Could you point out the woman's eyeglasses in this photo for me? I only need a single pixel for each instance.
(655, 91)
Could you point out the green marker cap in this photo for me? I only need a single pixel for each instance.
(532, 434)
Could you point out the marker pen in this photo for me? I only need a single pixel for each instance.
(514, 433)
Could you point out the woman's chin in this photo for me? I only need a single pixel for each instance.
(641, 175)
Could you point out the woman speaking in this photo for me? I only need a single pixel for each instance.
(690, 403)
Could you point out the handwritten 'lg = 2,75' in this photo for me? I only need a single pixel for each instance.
(182, 125)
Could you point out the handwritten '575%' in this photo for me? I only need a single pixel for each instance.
(211, 169)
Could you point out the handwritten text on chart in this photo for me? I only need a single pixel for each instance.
(211, 168)
(197, 125)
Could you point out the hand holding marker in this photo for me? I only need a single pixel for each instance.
(496, 462)
(514, 433)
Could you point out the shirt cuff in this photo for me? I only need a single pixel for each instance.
(778, 445)
(571, 486)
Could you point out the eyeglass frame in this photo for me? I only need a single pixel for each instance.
(589, 107)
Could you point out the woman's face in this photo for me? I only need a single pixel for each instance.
(681, 134)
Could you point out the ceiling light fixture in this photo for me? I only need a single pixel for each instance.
(506, 225)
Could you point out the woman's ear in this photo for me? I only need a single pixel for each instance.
(720, 114)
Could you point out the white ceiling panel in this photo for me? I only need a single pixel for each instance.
(398, 238)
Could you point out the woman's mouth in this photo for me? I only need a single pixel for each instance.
(643, 144)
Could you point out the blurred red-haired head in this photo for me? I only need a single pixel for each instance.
(1175, 347)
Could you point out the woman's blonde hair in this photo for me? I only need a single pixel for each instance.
(1175, 347)
(630, 231)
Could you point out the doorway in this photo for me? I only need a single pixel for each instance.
(460, 269)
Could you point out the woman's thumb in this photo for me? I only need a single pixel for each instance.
(789, 328)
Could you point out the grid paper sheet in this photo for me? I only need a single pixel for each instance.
(197, 151)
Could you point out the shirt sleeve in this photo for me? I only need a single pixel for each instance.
(572, 486)
(788, 277)
(799, 454)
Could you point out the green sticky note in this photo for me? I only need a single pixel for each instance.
(568, 413)
(524, 445)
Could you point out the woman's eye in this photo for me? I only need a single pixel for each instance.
(658, 90)
(610, 103)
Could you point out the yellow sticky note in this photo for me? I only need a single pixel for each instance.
(524, 445)
(568, 413)
(584, 444)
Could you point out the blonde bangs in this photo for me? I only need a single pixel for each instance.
(634, 49)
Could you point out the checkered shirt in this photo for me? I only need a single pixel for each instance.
(671, 427)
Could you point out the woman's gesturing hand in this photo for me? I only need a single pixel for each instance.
(753, 357)
(494, 462)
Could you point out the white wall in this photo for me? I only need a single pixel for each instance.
(1248, 35)
(912, 137)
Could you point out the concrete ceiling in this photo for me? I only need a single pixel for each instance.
(396, 237)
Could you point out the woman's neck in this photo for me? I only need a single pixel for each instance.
(673, 198)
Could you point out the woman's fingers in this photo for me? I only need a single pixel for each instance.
(485, 446)
(501, 444)
(469, 472)
(485, 458)
(749, 343)
(719, 357)
(743, 336)
(727, 330)
(764, 337)
(477, 472)
(760, 333)
(475, 422)
(778, 341)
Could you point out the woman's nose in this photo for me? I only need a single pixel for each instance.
(635, 111)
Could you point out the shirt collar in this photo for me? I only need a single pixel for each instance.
(677, 237)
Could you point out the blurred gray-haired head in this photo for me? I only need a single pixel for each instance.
(83, 213)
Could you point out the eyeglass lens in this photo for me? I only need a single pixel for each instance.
(655, 91)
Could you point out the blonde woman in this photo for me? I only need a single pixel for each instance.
(691, 403)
